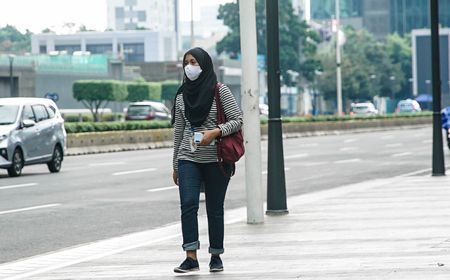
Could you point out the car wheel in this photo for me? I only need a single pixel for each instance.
(55, 164)
(17, 164)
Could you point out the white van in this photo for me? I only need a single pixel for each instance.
(31, 132)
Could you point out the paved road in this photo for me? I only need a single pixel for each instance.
(106, 195)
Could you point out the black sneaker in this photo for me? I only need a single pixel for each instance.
(215, 265)
(188, 265)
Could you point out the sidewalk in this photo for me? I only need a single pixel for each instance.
(397, 228)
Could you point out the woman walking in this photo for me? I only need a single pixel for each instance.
(195, 155)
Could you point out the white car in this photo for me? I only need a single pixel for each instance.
(365, 108)
(263, 109)
(408, 106)
(31, 132)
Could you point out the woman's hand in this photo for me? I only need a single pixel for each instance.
(209, 136)
(175, 177)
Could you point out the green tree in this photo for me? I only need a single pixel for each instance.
(140, 91)
(12, 40)
(95, 94)
(169, 89)
(367, 69)
(297, 41)
(399, 51)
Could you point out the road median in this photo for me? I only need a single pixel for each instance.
(114, 141)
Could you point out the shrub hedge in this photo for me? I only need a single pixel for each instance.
(77, 127)
(114, 126)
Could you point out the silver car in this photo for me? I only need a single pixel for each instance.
(31, 132)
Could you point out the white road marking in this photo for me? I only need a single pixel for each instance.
(29, 208)
(350, 140)
(296, 156)
(134, 171)
(402, 154)
(308, 145)
(429, 141)
(285, 169)
(314, 163)
(107, 163)
(162, 189)
(346, 149)
(386, 137)
(18, 186)
(393, 145)
(348, 160)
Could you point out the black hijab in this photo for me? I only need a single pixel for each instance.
(198, 95)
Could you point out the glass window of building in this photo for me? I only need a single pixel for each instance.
(99, 48)
(407, 15)
(325, 9)
(68, 48)
(134, 52)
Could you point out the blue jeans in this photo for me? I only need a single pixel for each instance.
(191, 175)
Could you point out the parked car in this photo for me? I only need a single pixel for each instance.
(364, 108)
(408, 106)
(263, 109)
(147, 110)
(31, 132)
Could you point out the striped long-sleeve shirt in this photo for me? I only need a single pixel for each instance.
(183, 130)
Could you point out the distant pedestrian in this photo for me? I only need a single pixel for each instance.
(445, 114)
(195, 160)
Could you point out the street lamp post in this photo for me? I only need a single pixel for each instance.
(276, 182)
(438, 164)
(338, 62)
(428, 83)
(392, 79)
(11, 79)
(372, 84)
(411, 84)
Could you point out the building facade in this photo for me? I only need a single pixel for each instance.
(156, 15)
(407, 15)
(131, 46)
(421, 53)
(381, 17)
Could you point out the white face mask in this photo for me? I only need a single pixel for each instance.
(192, 71)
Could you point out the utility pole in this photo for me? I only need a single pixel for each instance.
(276, 185)
(250, 106)
(438, 166)
(338, 61)
(192, 24)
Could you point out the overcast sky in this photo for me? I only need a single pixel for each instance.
(37, 15)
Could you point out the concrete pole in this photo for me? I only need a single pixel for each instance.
(338, 62)
(192, 24)
(250, 106)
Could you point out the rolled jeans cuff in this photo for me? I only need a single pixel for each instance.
(216, 251)
(191, 246)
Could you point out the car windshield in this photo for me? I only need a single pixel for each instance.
(406, 106)
(138, 110)
(360, 108)
(8, 114)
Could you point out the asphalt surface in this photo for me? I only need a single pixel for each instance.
(101, 196)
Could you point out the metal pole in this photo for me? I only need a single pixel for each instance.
(192, 24)
(276, 186)
(338, 62)
(250, 106)
(438, 166)
(11, 79)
